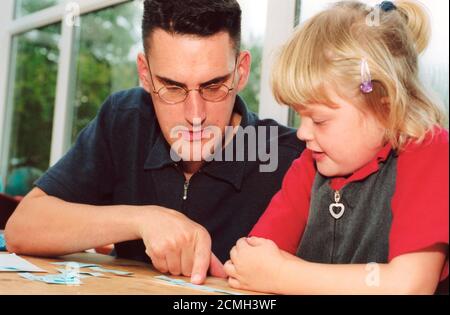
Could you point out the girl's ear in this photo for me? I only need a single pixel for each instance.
(385, 101)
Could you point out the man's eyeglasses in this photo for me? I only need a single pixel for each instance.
(173, 94)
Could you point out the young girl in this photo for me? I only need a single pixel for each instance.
(365, 208)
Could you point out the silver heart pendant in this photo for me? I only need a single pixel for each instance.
(339, 214)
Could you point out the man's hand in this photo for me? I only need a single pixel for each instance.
(216, 268)
(176, 244)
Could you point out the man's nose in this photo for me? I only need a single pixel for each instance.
(194, 107)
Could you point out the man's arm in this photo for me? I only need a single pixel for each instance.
(43, 225)
(48, 226)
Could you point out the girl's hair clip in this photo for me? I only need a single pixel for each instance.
(366, 80)
(387, 6)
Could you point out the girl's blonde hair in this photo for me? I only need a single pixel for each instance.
(327, 50)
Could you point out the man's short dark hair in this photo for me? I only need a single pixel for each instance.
(192, 17)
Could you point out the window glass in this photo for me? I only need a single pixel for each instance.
(34, 73)
(107, 44)
(253, 30)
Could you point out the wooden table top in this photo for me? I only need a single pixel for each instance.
(141, 282)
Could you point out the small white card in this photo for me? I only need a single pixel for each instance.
(14, 263)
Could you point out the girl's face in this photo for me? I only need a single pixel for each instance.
(342, 139)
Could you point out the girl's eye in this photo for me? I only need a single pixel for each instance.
(319, 122)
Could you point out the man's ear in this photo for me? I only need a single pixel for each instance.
(143, 72)
(243, 67)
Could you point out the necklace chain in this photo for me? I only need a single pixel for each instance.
(337, 196)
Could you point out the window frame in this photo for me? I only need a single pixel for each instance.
(6, 18)
(280, 25)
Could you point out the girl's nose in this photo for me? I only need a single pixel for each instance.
(304, 132)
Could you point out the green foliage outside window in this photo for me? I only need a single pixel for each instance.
(35, 73)
(24, 7)
(251, 92)
(105, 62)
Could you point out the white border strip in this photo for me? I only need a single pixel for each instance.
(62, 109)
(280, 25)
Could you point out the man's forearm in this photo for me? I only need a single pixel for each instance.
(48, 226)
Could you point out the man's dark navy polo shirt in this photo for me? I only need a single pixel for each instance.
(121, 157)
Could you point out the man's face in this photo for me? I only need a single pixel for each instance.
(192, 62)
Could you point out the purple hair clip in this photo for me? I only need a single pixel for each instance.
(366, 80)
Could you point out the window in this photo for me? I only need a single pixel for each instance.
(434, 63)
(107, 42)
(34, 72)
(25, 7)
(253, 29)
(293, 117)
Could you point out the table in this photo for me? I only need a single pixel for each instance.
(141, 282)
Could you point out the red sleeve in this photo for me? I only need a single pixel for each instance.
(285, 218)
(420, 204)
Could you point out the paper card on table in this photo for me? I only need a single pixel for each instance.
(63, 278)
(74, 264)
(2, 242)
(116, 272)
(85, 273)
(185, 284)
(14, 263)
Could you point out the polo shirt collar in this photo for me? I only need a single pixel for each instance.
(159, 154)
(229, 171)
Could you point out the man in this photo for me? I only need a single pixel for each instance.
(121, 183)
